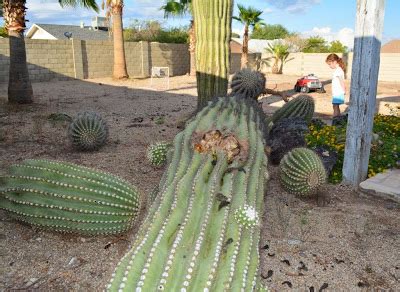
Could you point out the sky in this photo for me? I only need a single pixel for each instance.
(331, 19)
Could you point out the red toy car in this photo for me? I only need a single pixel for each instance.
(307, 83)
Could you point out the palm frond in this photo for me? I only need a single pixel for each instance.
(89, 4)
(176, 8)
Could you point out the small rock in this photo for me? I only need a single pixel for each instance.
(73, 262)
(38, 239)
(31, 282)
(294, 241)
(83, 239)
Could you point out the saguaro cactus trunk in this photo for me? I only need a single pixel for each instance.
(202, 232)
(213, 20)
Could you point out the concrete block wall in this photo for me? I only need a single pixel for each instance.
(97, 57)
(4, 59)
(174, 56)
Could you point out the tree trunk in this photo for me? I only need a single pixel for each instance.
(245, 48)
(119, 71)
(364, 82)
(192, 48)
(19, 84)
(275, 68)
(213, 20)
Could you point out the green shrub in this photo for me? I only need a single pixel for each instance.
(385, 149)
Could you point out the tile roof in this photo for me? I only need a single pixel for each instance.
(391, 47)
(86, 33)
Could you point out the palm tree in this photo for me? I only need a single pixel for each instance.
(19, 85)
(179, 8)
(249, 17)
(114, 8)
(280, 53)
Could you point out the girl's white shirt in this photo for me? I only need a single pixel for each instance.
(336, 87)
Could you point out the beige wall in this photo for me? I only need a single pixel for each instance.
(65, 59)
(303, 64)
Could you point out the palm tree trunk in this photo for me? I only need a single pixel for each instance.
(192, 48)
(19, 84)
(245, 48)
(119, 71)
(213, 19)
(275, 68)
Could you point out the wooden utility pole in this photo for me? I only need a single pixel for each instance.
(364, 82)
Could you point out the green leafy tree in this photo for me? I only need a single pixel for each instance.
(337, 47)
(280, 54)
(270, 32)
(180, 8)
(19, 84)
(153, 31)
(3, 32)
(316, 44)
(249, 17)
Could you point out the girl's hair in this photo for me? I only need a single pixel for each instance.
(334, 57)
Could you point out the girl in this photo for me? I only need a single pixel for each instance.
(338, 87)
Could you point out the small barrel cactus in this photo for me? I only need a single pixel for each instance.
(157, 153)
(302, 172)
(302, 106)
(248, 83)
(68, 198)
(88, 131)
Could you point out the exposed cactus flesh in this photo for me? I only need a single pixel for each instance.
(157, 153)
(69, 198)
(302, 172)
(88, 131)
(302, 106)
(248, 83)
(196, 236)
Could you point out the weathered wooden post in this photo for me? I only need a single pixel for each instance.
(364, 82)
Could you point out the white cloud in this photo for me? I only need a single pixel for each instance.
(345, 35)
(294, 6)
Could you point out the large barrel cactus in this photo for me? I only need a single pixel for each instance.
(88, 131)
(202, 232)
(302, 106)
(302, 172)
(248, 83)
(68, 198)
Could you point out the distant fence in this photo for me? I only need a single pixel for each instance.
(303, 64)
(65, 59)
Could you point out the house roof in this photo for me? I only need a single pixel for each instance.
(256, 45)
(391, 47)
(58, 30)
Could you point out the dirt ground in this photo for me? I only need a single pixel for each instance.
(342, 240)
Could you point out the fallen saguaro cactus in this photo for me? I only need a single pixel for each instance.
(66, 197)
(202, 232)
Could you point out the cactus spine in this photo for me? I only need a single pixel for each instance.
(302, 106)
(192, 238)
(212, 20)
(69, 198)
(157, 153)
(302, 172)
(248, 83)
(88, 131)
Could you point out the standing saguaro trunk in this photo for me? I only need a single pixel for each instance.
(245, 48)
(19, 84)
(213, 20)
(364, 81)
(119, 71)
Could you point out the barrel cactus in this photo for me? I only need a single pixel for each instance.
(302, 106)
(302, 172)
(157, 153)
(202, 231)
(88, 131)
(248, 83)
(68, 198)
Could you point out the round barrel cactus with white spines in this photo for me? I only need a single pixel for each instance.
(248, 83)
(88, 131)
(157, 153)
(302, 172)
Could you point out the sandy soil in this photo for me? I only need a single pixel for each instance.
(342, 240)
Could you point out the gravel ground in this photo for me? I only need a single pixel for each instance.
(341, 240)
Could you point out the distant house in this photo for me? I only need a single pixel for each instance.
(97, 31)
(391, 47)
